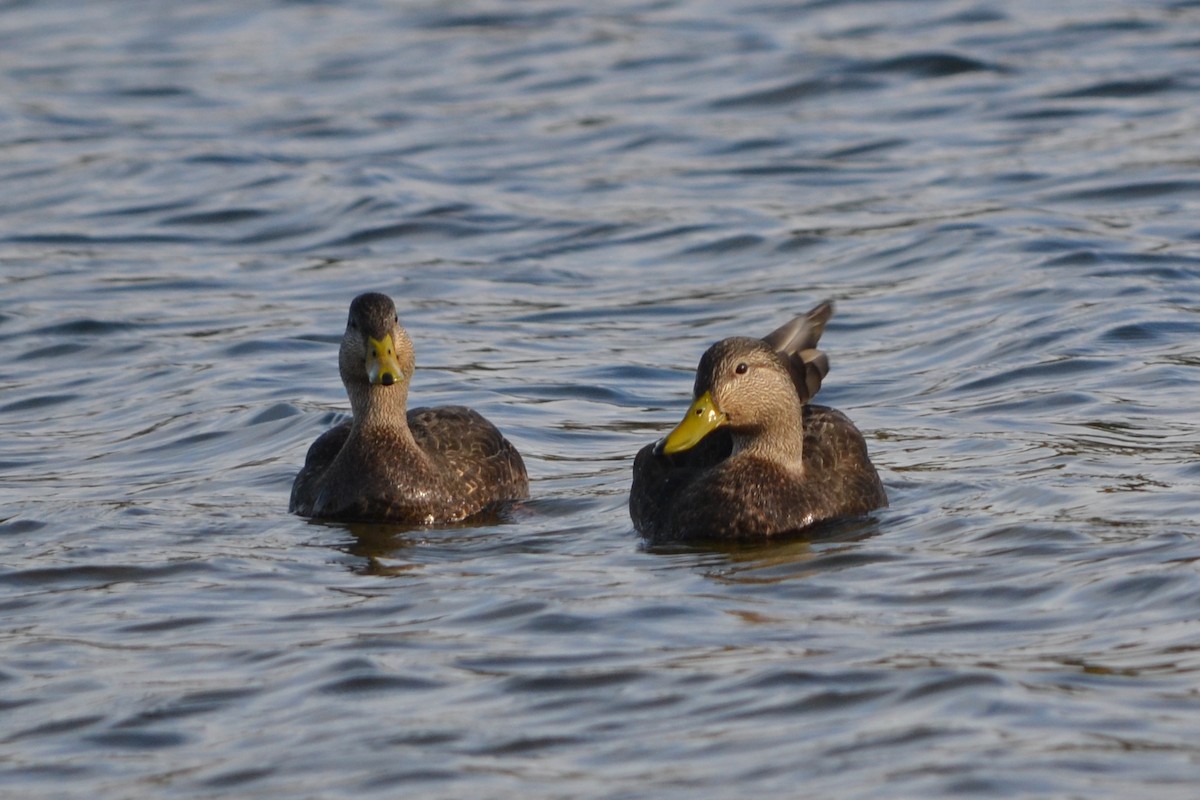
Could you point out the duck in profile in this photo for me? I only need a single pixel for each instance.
(752, 457)
(389, 464)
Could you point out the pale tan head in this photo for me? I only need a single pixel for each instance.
(376, 359)
(756, 388)
(741, 384)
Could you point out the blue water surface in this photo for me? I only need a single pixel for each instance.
(569, 203)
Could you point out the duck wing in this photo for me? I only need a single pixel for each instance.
(796, 342)
(320, 455)
(470, 454)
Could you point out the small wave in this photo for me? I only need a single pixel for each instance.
(793, 92)
(929, 65)
(1125, 88)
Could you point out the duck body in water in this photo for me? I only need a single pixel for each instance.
(752, 458)
(390, 464)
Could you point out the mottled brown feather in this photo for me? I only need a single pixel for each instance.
(387, 464)
(711, 493)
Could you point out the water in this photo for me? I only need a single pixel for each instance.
(569, 206)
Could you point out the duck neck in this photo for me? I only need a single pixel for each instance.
(779, 437)
(381, 408)
(784, 447)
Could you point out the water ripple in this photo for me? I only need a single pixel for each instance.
(569, 207)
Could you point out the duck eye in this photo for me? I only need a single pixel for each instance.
(741, 368)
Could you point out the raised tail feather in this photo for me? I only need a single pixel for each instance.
(797, 341)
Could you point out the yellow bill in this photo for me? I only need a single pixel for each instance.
(701, 419)
(382, 366)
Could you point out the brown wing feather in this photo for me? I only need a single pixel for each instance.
(796, 342)
(471, 453)
(320, 455)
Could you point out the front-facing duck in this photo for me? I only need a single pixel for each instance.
(389, 464)
(751, 458)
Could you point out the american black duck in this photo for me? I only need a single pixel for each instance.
(752, 458)
(388, 464)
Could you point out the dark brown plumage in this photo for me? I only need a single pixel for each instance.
(751, 458)
(388, 464)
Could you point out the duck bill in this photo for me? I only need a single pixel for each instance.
(701, 419)
(382, 367)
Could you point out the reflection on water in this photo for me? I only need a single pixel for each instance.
(569, 207)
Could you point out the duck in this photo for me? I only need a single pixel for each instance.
(392, 464)
(752, 458)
